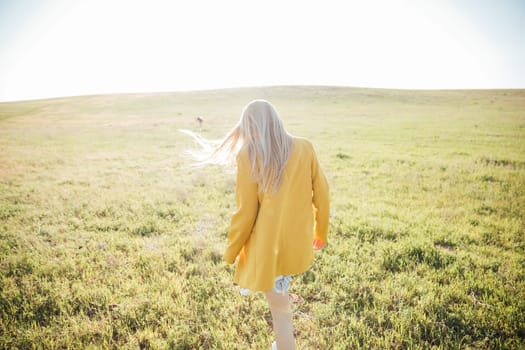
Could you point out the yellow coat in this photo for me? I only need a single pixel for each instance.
(273, 233)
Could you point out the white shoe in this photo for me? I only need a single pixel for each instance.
(274, 345)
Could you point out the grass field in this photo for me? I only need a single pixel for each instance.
(109, 240)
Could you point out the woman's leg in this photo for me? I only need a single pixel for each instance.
(282, 319)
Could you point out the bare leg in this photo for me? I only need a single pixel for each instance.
(282, 319)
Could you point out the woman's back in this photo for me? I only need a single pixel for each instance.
(278, 227)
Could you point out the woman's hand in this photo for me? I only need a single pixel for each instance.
(318, 244)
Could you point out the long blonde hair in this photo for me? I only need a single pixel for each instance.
(261, 131)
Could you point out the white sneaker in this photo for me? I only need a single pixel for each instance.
(274, 345)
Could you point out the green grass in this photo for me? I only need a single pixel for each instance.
(109, 240)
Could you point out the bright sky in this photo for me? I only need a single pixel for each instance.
(65, 47)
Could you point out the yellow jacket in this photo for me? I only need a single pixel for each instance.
(273, 233)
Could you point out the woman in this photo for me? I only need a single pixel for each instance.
(282, 207)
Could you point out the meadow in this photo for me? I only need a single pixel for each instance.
(109, 239)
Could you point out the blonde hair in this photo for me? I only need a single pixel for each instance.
(261, 132)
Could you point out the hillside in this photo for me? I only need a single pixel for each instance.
(109, 238)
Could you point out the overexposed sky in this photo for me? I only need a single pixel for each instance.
(73, 47)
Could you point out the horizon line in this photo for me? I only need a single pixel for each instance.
(151, 92)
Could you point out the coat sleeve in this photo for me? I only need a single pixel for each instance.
(246, 194)
(321, 200)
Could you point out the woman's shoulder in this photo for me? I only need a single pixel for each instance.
(303, 142)
(243, 155)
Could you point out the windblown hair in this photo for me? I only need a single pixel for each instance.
(260, 131)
